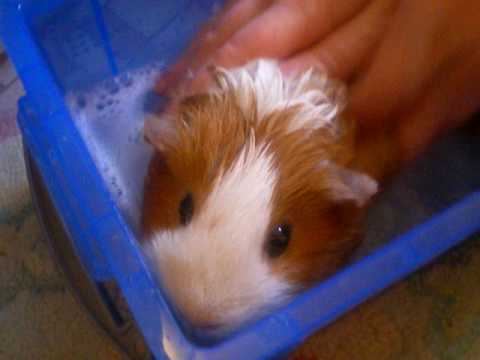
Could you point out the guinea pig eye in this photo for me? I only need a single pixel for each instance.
(278, 240)
(185, 210)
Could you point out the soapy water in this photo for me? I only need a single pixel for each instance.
(110, 119)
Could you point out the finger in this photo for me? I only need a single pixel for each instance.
(404, 65)
(286, 27)
(343, 52)
(215, 33)
(450, 102)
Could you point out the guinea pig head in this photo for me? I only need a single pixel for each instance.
(249, 197)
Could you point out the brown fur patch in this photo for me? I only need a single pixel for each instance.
(324, 232)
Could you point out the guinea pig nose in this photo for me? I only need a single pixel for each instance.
(208, 330)
(209, 327)
(206, 325)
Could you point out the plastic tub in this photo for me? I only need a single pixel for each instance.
(80, 61)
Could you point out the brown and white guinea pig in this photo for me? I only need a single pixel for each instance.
(255, 192)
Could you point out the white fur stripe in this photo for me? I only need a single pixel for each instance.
(215, 268)
(261, 82)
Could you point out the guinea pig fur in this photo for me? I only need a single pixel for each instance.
(255, 192)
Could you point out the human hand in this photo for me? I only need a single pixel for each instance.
(411, 65)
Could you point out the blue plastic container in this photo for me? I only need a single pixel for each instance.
(64, 46)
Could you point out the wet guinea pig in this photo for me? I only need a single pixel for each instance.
(255, 192)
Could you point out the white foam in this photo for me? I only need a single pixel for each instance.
(110, 119)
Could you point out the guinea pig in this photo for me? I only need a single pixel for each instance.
(256, 191)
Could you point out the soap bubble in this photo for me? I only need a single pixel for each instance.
(110, 119)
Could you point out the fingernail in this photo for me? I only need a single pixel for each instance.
(287, 69)
(294, 68)
(160, 85)
(164, 81)
(198, 83)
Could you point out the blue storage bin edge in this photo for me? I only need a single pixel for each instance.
(125, 262)
(129, 270)
(73, 221)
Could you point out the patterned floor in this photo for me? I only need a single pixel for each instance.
(39, 318)
(433, 315)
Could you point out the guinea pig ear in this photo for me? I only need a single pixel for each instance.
(349, 185)
(158, 130)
